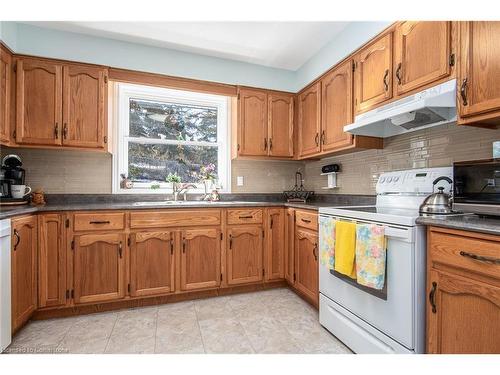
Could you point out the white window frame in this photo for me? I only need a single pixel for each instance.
(125, 92)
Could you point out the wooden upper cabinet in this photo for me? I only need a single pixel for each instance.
(39, 102)
(84, 98)
(465, 317)
(422, 54)
(478, 83)
(51, 260)
(151, 263)
(252, 129)
(280, 107)
(244, 254)
(24, 266)
(5, 92)
(306, 263)
(200, 258)
(99, 261)
(309, 126)
(275, 244)
(336, 107)
(373, 74)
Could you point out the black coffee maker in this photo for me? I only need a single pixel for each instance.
(11, 173)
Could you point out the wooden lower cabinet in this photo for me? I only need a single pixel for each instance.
(275, 246)
(306, 263)
(200, 258)
(152, 263)
(51, 260)
(24, 265)
(290, 246)
(99, 266)
(244, 254)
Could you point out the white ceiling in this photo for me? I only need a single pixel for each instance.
(285, 45)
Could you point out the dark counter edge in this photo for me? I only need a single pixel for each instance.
(470, 223)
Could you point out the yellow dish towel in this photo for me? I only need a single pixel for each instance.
(345, 248)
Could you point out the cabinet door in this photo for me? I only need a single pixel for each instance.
(422, 54)
(99, 267)
(200, 259)
(24, 254)
(290, 245)
(252, 129)
(39, 102)
(373, 74)
(280, 125)
(244, 255)
(479, 76)
(306, 263)
(51, 261)
(466, 315)
(84, 98)
(275, 244)
(309, 126)
(151, 263)
(337, 107)
(5, 91)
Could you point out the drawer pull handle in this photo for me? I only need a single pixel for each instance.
(386, 84)
(480, 258)
(184, 245)
(120, 253)
(246, 217)
(305, 220)
(315, 248)
(100, 222)
(16, 233)
(398, 73)
(230, 242)
(463, 91)
(432, 297)
(171, 247)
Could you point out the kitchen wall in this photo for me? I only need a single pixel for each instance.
(63, 171)
(434, 147)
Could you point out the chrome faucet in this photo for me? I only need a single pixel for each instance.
(182, 189)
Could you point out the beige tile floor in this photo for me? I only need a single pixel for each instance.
(273, 321)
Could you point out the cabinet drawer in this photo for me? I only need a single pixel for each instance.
(99, 221)
(307, 219)
(244, 216)
(174, 218)
(475, 254)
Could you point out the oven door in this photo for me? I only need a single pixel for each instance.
(394, 312)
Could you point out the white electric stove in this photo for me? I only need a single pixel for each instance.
(391, 320)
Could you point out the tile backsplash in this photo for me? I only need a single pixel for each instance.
(64, 171)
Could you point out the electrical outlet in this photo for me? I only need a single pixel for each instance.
(239, 181)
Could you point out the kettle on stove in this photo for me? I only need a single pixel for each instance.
(438, 203)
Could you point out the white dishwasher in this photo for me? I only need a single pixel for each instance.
(5, 286)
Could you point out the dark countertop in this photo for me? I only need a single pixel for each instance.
(7, 212)
(470, 222)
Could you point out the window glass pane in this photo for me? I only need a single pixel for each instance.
(147, 163)
(160, 120)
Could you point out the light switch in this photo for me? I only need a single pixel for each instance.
(239, 181)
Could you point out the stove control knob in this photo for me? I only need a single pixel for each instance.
(389, 179)
(382, 179)
(395, 179)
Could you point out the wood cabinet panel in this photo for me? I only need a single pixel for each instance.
(5, 94)
(174, 218)
(373, 74)
(337, 107)
(99, 221)
(465, 318)
(51, 260)
(244, 216)
(290, 246)
(309, 121)
(306, 263)
(275, 244)
(280, 107)
(152, 263)
(244, 254)
(479, 70)
(24, 269)
(252, 130)
(99, 261)
(422, 54)
(307, 219)
(39, 102)
(84, 98)
(200, 258)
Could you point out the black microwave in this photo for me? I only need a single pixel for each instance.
(476, 186)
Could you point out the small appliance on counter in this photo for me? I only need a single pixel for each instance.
(438, 203)
(12, 182)
(330, 171)
(477, 187)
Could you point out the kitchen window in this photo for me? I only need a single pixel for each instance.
(164, 132)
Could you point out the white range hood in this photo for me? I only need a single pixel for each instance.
(431, 107)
